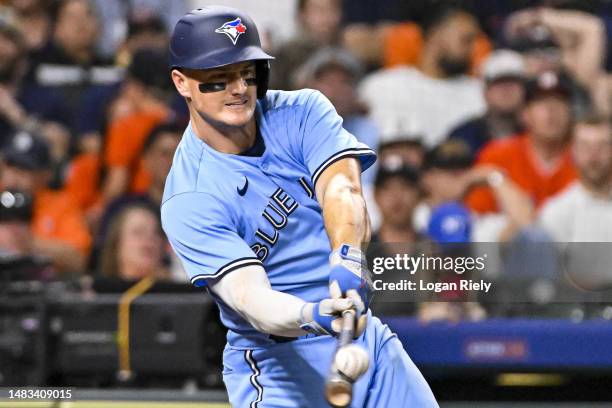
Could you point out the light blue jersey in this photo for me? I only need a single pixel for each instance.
(225, 211)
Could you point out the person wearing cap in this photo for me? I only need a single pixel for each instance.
(335, 72)
(264, 207)
(449, 176)
(59, 230)
(539, 160)
(503, 75)
(18, 255)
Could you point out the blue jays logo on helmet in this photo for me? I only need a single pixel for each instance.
(233, 29)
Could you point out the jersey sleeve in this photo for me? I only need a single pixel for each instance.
(323, 139)
(203, 236)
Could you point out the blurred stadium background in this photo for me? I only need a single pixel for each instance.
(492, 124)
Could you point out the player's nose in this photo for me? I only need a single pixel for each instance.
(237, 86)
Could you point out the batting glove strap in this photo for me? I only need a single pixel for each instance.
(319, 324)
(350, 257)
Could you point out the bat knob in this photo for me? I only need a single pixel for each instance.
(339, 392)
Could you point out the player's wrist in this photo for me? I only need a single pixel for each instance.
(350, 257)
(309, 322)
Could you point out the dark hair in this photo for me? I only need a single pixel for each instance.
(150, 67)
(405, 172)
(438, 14)
(109, 255)
(453, 154)
(57, 7)
(158, 131)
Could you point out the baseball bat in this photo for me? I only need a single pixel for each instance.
(338, 387)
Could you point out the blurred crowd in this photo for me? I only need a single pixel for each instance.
(491, 120)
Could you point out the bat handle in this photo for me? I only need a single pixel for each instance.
(339, 388)
(347, 331)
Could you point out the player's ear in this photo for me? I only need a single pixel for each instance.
(180, 82)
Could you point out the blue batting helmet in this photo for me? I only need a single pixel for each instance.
(214, 36)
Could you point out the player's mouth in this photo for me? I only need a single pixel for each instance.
(237, 104)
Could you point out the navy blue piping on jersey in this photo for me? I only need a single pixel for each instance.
(231, 266)
(248, 356)
(359, 151)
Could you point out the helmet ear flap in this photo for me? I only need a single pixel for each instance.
(262, 69)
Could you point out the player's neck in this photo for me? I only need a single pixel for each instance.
(222, 138)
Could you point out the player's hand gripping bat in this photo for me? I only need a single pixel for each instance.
(350, 361)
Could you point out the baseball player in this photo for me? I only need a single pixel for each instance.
(262, 205)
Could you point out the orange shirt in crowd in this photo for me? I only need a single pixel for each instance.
(83, 180)
(516, 157)
(403, 45)
(124, 143)
(57, 217)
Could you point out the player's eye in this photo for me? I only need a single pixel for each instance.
(251, 81)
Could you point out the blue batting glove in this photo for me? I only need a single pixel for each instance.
(324, 317)
(349, 276)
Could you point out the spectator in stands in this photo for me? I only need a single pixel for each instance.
(34, 19)
(397, 194)
(21, 104)
(437, 95)
(335, 73)
(157, 154)
(69, 63)
(410, 149)
(134, 245)
(319, 25)
(583, 211)
(15, 218)
(448, 176)
(60, 232)
(17, 254)
(539, 160)
(144, 100)
(568, 42)
(503, 74)
(146, 31)
(102, 105)
(116, 16)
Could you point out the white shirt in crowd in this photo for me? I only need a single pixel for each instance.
(576, 215)
(403, 101)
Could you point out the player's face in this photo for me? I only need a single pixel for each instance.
(225, 95)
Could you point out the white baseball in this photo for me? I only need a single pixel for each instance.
(352, 360)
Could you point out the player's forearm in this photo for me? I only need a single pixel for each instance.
(279, 314)
(344, 209)
(248, 292)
